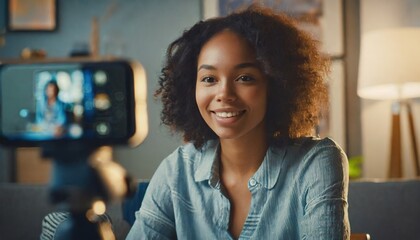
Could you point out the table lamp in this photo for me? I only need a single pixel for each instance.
(389, 69)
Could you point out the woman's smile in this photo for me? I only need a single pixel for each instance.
(227, 118)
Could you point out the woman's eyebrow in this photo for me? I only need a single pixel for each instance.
(205, 66)
(247, 65)
(239, 66)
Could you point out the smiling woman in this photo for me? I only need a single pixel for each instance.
(245, 91)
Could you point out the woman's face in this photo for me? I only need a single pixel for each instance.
(231, 90)
(51, 91)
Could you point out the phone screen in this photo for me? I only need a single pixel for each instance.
(66, 101)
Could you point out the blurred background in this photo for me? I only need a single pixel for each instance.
(141, 30)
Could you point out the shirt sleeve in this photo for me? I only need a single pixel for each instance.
(324, 193)
(155, 218)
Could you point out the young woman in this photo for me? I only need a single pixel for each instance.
(50, 114)
(246, 91)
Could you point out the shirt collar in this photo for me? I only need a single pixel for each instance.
(269, 171)
(207, 166)
(204, 164)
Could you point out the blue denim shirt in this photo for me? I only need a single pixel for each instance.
(298, 192)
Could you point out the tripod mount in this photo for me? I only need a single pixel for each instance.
(84, 178)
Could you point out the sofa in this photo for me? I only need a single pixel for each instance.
(384, 209)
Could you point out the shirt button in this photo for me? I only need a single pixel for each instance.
(252, 182)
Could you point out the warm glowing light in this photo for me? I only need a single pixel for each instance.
(99, 207)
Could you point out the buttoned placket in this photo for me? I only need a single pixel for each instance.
(224, 208)
(254, 214)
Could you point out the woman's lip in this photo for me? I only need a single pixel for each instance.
(227, 113)
(228, 120)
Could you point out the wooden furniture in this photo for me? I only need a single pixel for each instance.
(359, 236)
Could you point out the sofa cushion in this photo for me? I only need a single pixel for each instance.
(22, 209)
(385, 209)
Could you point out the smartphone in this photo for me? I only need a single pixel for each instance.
(102, 102)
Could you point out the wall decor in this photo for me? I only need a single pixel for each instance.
(31, 15)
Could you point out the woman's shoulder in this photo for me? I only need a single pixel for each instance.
(322, 155)
(327, 145)
(316, 153)
(308, 145)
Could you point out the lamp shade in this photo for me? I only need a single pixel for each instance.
(389, 66)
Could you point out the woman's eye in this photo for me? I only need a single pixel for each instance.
(207, 79)
(245, 78)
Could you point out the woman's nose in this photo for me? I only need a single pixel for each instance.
(226, 92)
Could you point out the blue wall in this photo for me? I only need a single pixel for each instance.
(141, 30)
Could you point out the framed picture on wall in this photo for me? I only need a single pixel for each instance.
(31, 15)
(323, 19)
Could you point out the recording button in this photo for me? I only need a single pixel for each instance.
(103, 128)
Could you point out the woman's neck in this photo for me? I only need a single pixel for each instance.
(242, 157)
(51, 101)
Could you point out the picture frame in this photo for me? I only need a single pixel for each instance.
(31, 15)
(329, 31)
(329, 14)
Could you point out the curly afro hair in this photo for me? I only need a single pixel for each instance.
(289, 57)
